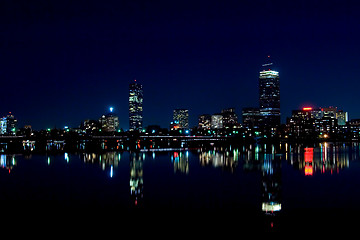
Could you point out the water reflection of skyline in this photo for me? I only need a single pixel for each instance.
(326, 157)
(265, 159)
(104, 160)
(321, 158)
(219, 157)
(7, 161)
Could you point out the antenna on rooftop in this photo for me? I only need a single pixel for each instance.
(268, 62)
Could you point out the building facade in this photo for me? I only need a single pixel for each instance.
(269, 97)
(251, 117)
(230, 118)
(182, 117)
(135, 106)
(319, 122)
(205, 121)
(109, 122)
(8, 125)
(217, 121)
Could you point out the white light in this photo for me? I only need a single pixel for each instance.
(66, 156)
(111, 171)
(273, 207)
(111, 109)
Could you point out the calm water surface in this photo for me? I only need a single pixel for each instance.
(263, 180)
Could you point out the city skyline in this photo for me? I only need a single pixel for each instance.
(63, 62)
(135, 117)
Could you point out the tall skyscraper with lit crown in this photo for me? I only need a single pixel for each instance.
(135, 106)
(269, 96)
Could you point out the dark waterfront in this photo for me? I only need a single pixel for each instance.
(266, 186)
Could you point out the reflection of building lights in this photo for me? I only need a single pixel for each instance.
(271, 207)
(66, 157)
(111, 171)
(308, 157)
(308, 171)
(308, 154)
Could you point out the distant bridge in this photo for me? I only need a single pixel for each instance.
(123, 138)
(186, 138)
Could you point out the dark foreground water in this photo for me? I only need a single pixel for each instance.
(257, 187)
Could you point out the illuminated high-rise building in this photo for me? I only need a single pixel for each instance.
(269, 96)
(3, 125)
(182, 117)
(135, 106)
(109, 122)
(217, 121)
(8, 125)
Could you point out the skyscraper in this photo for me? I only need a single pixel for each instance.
(182, 116)
(269, 97)
(135, 106)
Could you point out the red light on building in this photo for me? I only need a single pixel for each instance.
(307, 108)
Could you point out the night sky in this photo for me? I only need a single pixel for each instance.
(66, 61)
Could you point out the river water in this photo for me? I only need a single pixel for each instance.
(270, 183)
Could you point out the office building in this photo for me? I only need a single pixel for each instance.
(181, 116)
(205, 121)
(109, 122)
(302, 123)
(91, 126)
(251, 117)
(269, 97)
(3, 124)
(342, 117)
(217, 121)
(324, 122)
(135, 106)
(230, 118)
(8, 125)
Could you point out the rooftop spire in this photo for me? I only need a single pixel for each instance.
(267, 63)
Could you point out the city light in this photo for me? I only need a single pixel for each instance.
(307, 108)
(111, 109)
(271, 206)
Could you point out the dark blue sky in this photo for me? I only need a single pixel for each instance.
(66, 61)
